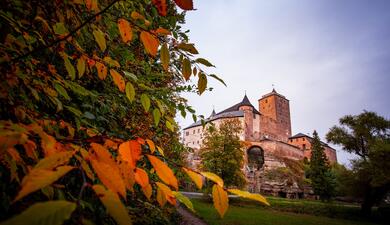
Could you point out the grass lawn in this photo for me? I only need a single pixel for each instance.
(250, 214)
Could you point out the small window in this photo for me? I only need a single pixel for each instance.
(197, 142)
(266, 101)
(304, 146)
(193, 132)
(303, 139)
(187, 133)
(193, 142)
(198, 131)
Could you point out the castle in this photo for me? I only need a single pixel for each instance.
(267, 136)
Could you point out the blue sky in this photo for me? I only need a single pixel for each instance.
(328, 57)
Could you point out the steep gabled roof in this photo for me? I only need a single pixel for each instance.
(245, 102)
(231, 112)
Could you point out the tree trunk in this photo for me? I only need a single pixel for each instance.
(368, 202)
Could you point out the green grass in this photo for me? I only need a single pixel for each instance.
(252, 214)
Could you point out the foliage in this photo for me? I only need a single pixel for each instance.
(88, 94)
(222, 152)
(368, 136)
(322, 179)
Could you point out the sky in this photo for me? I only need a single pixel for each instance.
(330, 58)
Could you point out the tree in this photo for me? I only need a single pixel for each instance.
(368, 136)
(321, 177)
(222, 152)
(88, 91)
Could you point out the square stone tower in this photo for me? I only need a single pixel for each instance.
(275, 122)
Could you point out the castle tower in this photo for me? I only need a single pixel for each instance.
(275, 122)
(247, 108)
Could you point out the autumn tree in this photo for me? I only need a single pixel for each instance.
(221, 152)
(320, 174)
(366, 135)
(88, 91)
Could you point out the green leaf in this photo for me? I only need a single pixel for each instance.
(81, 66)
(99, 38)
(145, 101)
(50, 212)
(186, 68)
(202, 83)
(204, 62)
(183, 199)
(217, 78)
(78, 89)
(89, 115)
(194, 118)
(62, 91)
(69, 67)
(156, 116)
(169, 125)
(75, 111)
(130, 92)
(164, 56)
(130, 75)
(188, 48)
(60, 29)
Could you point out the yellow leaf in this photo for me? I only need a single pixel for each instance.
(113, 205)
(145, 101)
(118, 80)
(109, 176)
(220, 198)
(147, 190)
(150, 42)
(151, 145)
(102, 70)
(85, 167)
(40, 178)
(183, 199)
(100, 39)
(103, 155)
(197, 178)
(141, 177)
(164, 56)
(163, 171)
(111, 61)
(130, 151)
(161, 197)
(69, 67)
(167, 192)
(49, 212)
(245, 194)
(130, 92)
(160, 150)
(202, 82)
(125, 30)
(186, 68)
(213, 177)
(54, 160)
(81, 66)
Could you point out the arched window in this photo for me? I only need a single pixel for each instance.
(255, 157)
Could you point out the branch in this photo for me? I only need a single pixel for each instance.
(43, 47)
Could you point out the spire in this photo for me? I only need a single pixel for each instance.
(212, 113)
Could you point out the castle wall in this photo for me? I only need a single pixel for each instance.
(304, 143)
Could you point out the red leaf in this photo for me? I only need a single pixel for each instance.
(185, 4)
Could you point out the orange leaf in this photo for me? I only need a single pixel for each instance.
(125, 30)
(141, 177)
(118, 80)
(110, 144)
(130, 151)
(40, 178)
(54, 160)
(103, 155)
(151, 145)
(48, 144)
(109, 176)
(220, 198)
(163, 171)
(197, 178)
(161, 6)
(213, 177)
(102, 70)
(30, 148)
(147, 190)
(185, 4)
(85, 167)
(127, 175)
(150, 42)
(162, 31)
(161, 197)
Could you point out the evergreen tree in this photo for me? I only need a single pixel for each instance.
(222, 152)
(323, 181)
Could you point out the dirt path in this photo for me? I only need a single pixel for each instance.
(189, 218)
